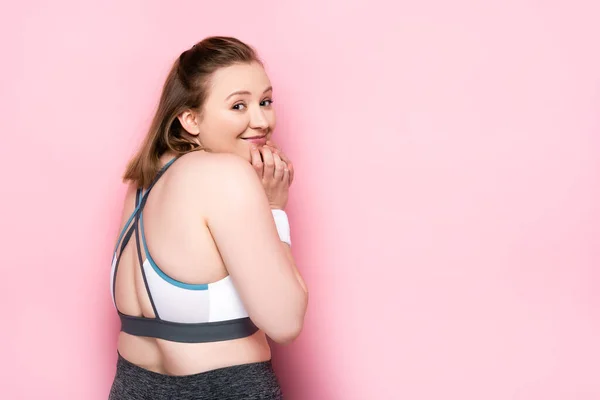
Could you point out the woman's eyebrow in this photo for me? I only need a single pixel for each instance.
(247, 92)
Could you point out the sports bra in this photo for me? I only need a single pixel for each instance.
(187, 313)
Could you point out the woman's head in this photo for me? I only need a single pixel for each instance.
(216, 97)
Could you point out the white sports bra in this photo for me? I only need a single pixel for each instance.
(189, 313)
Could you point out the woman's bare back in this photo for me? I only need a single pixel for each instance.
(182, 245)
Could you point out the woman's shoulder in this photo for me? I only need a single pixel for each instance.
(201, 166)
(222, 173)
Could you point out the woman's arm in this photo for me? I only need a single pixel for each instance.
(261, 266)
(288, 253)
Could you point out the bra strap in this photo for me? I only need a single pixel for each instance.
(140, 258)
(139, 206)
(130, 227)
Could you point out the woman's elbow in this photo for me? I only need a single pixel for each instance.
(286, 333)
(284, 325)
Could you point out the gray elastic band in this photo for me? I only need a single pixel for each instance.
(188, 333)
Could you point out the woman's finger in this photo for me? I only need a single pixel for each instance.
(273, 149)
(268, 162)
(286, 175)
(256, 161)
(273, 146)
(279, 167)
(284, 158)
(291, 168)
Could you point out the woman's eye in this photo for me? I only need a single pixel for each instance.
(267, 102)
(239, 106)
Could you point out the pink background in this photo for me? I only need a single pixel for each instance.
(446, 212)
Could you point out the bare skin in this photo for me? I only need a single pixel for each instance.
(202, 225)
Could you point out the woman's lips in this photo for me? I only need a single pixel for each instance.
(258, 140)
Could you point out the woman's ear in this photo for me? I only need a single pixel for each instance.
(189, 120)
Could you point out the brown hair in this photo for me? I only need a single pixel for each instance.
(185, 88)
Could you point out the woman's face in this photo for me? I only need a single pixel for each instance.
(237, 112)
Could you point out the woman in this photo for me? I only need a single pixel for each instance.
(202, 271)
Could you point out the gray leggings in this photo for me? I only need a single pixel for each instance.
(244, 382)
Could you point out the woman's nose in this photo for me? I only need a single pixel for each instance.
(258, 119)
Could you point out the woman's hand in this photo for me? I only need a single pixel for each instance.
(275, 149)
(274, 174)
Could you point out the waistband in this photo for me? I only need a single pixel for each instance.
(238, 381)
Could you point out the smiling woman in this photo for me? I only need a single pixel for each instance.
(229, 114)
(202, 271)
